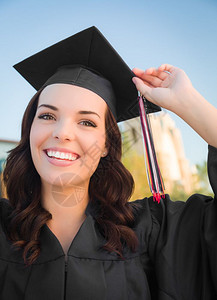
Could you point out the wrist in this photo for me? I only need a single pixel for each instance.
(187, 102)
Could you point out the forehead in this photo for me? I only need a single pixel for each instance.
(71, 96)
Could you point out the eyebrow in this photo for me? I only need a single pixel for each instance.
(49, 106)
(81, 112)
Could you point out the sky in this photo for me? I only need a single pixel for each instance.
(145, 33)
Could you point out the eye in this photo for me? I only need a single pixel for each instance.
(88, 123)
(46, 116)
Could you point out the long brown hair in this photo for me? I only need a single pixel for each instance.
(23, 188)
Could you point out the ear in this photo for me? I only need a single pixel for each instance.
(105, 153)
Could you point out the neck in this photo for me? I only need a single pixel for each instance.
(67, 205)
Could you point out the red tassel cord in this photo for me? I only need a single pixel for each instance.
(155, 179)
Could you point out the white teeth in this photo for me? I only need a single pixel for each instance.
(61, 155)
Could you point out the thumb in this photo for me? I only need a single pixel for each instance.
(142, 87)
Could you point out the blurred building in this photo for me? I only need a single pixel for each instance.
(5, 145)
(174, 166)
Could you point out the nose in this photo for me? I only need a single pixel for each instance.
(64, 131)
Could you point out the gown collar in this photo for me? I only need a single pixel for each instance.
(87, 243)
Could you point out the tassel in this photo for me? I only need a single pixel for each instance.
(155, 179)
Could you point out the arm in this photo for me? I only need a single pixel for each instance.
(170, 88)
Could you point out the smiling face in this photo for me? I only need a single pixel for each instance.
(68, 134)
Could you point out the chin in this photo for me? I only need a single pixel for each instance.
(64, 180)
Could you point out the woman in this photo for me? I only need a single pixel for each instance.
(68, 212)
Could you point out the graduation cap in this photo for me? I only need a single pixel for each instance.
(88, 60)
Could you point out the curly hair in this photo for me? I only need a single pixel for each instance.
(28, 216)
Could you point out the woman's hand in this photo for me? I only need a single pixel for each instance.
(166, 86)
(170, 88)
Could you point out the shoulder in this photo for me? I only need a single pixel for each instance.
(4, 202)
(141, 210)
(148, 207)
(146, 225)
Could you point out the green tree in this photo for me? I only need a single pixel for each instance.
(201, 179)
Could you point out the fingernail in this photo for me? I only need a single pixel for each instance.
(134, 80)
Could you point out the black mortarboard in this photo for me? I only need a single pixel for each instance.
(88, 60)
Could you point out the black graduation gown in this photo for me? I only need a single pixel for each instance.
(176, 259)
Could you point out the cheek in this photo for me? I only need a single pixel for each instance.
(36, 138)
(33, 137)
(33, 140)
(38, 133)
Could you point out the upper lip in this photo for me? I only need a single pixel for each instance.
(61, 150)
